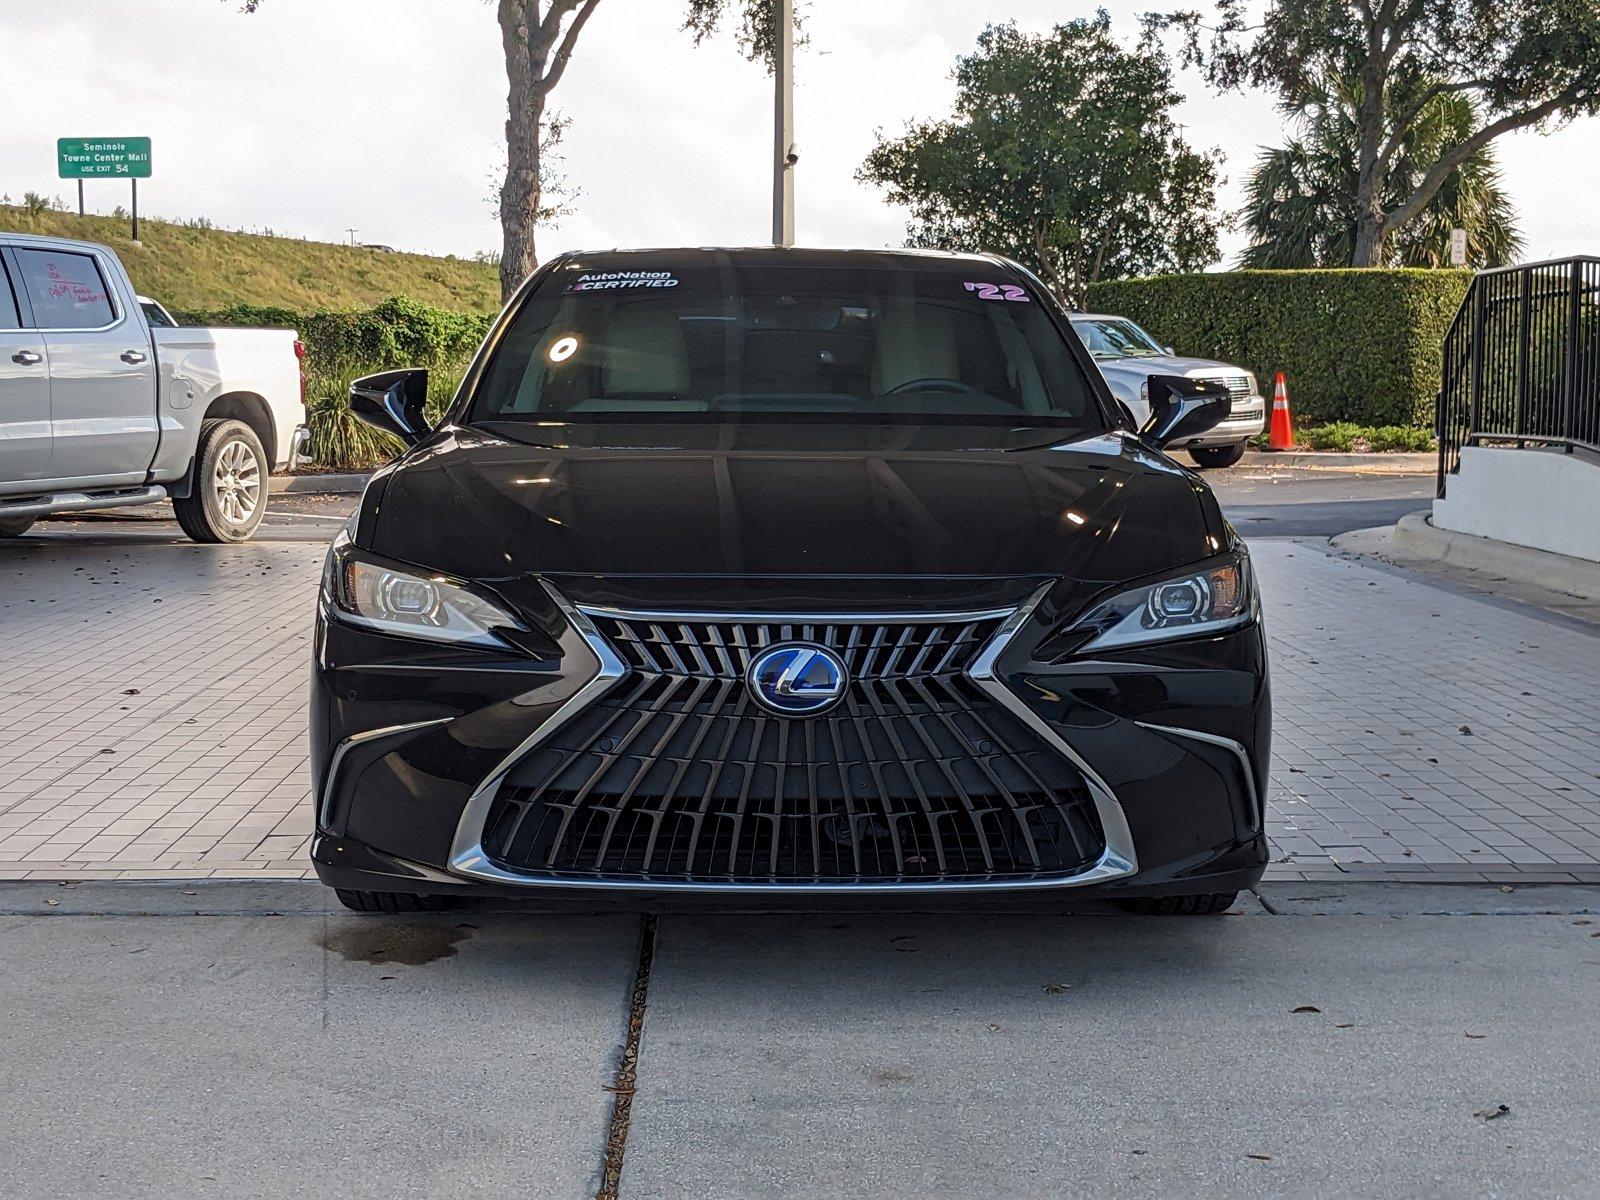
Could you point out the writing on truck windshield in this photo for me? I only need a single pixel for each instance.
(736, 342)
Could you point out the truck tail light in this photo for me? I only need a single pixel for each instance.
(300, 358)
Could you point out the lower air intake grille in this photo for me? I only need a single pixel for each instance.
(676, 776)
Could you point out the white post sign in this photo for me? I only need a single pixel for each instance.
(1458, 247)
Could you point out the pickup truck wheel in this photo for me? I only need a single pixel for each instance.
(229, 496)
(15, 526)
(1216, 456)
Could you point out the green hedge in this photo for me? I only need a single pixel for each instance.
(395, 333)
(342, 346)
(1355, 345)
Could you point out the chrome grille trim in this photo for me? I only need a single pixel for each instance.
(468, 857)
(1238, 385)
(872, 648)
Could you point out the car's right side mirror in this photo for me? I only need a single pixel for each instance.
(1182, 408)
(394, 401)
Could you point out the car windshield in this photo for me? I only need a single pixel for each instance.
(736, 342)
(1116, 339)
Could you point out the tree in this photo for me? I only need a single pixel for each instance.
(1524, 64)
(1300, 208)
(539, 37)
(1063, 154)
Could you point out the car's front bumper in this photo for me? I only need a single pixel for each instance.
(412, 744)
(1249, 420)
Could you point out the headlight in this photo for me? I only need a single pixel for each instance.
(1213, 600)
(378, 595)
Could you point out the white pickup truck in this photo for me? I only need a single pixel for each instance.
(100, 410)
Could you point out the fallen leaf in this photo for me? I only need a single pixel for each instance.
(994, 1029)
(1055, 989)
(1306, 1008)
(1476, 1037)
(1581, 921)
(1495, 1113)
(385, 976)
(130, 691)
(1260, 1157)
(1466, 731)
(1345, 1025)
(53, 903)
(187, 893)
(1506, 887)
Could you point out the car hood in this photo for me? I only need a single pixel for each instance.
(781, 500)
(1165, 364)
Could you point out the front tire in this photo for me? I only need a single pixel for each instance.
(228, 497)
(389, 902)
(1208, 457)
(1207, 905)
(11, 527)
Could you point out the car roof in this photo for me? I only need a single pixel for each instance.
(775, 256)
(39, 239)
(1083, 316)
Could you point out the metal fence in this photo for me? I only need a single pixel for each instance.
(1522, 362)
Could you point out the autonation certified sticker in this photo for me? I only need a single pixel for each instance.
(612, 280)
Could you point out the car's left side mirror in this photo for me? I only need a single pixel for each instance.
(1182, 408)
(394, 401)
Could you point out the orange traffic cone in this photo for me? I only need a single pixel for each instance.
(1282, 436)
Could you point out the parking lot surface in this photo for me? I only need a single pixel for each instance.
(152, 703)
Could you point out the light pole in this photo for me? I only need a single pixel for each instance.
(784, 155)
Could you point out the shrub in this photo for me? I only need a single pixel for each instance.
(342, 441)
(1400, 437)
(1356, 345)
(1340, 436)
(1347, 436)
(343, 346)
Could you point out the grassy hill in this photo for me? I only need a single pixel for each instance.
(192, 269)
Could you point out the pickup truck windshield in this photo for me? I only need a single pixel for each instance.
(738, 342)
(1116, 339)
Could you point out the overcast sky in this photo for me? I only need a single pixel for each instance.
(388, 115)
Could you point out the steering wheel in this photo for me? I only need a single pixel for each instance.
(932, 383)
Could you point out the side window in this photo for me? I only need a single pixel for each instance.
(64, 288)
(8, 306)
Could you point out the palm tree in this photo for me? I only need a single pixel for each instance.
(1300, 198)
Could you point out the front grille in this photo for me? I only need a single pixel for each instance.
(676, 775)
(1238, 385)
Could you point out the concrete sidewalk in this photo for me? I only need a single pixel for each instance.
(277, 1048)
(308, 1053)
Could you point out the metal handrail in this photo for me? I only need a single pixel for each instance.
(1522, 361)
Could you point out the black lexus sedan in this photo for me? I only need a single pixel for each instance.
(785, 575)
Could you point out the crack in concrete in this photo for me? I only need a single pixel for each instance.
(623, 1086)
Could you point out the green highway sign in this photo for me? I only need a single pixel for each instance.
(103, 158)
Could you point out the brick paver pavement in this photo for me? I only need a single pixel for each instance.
(153, 709)
(152, 718)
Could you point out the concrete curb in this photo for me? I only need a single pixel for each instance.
(1415, 537)
(324, 485)
(1373, 464)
